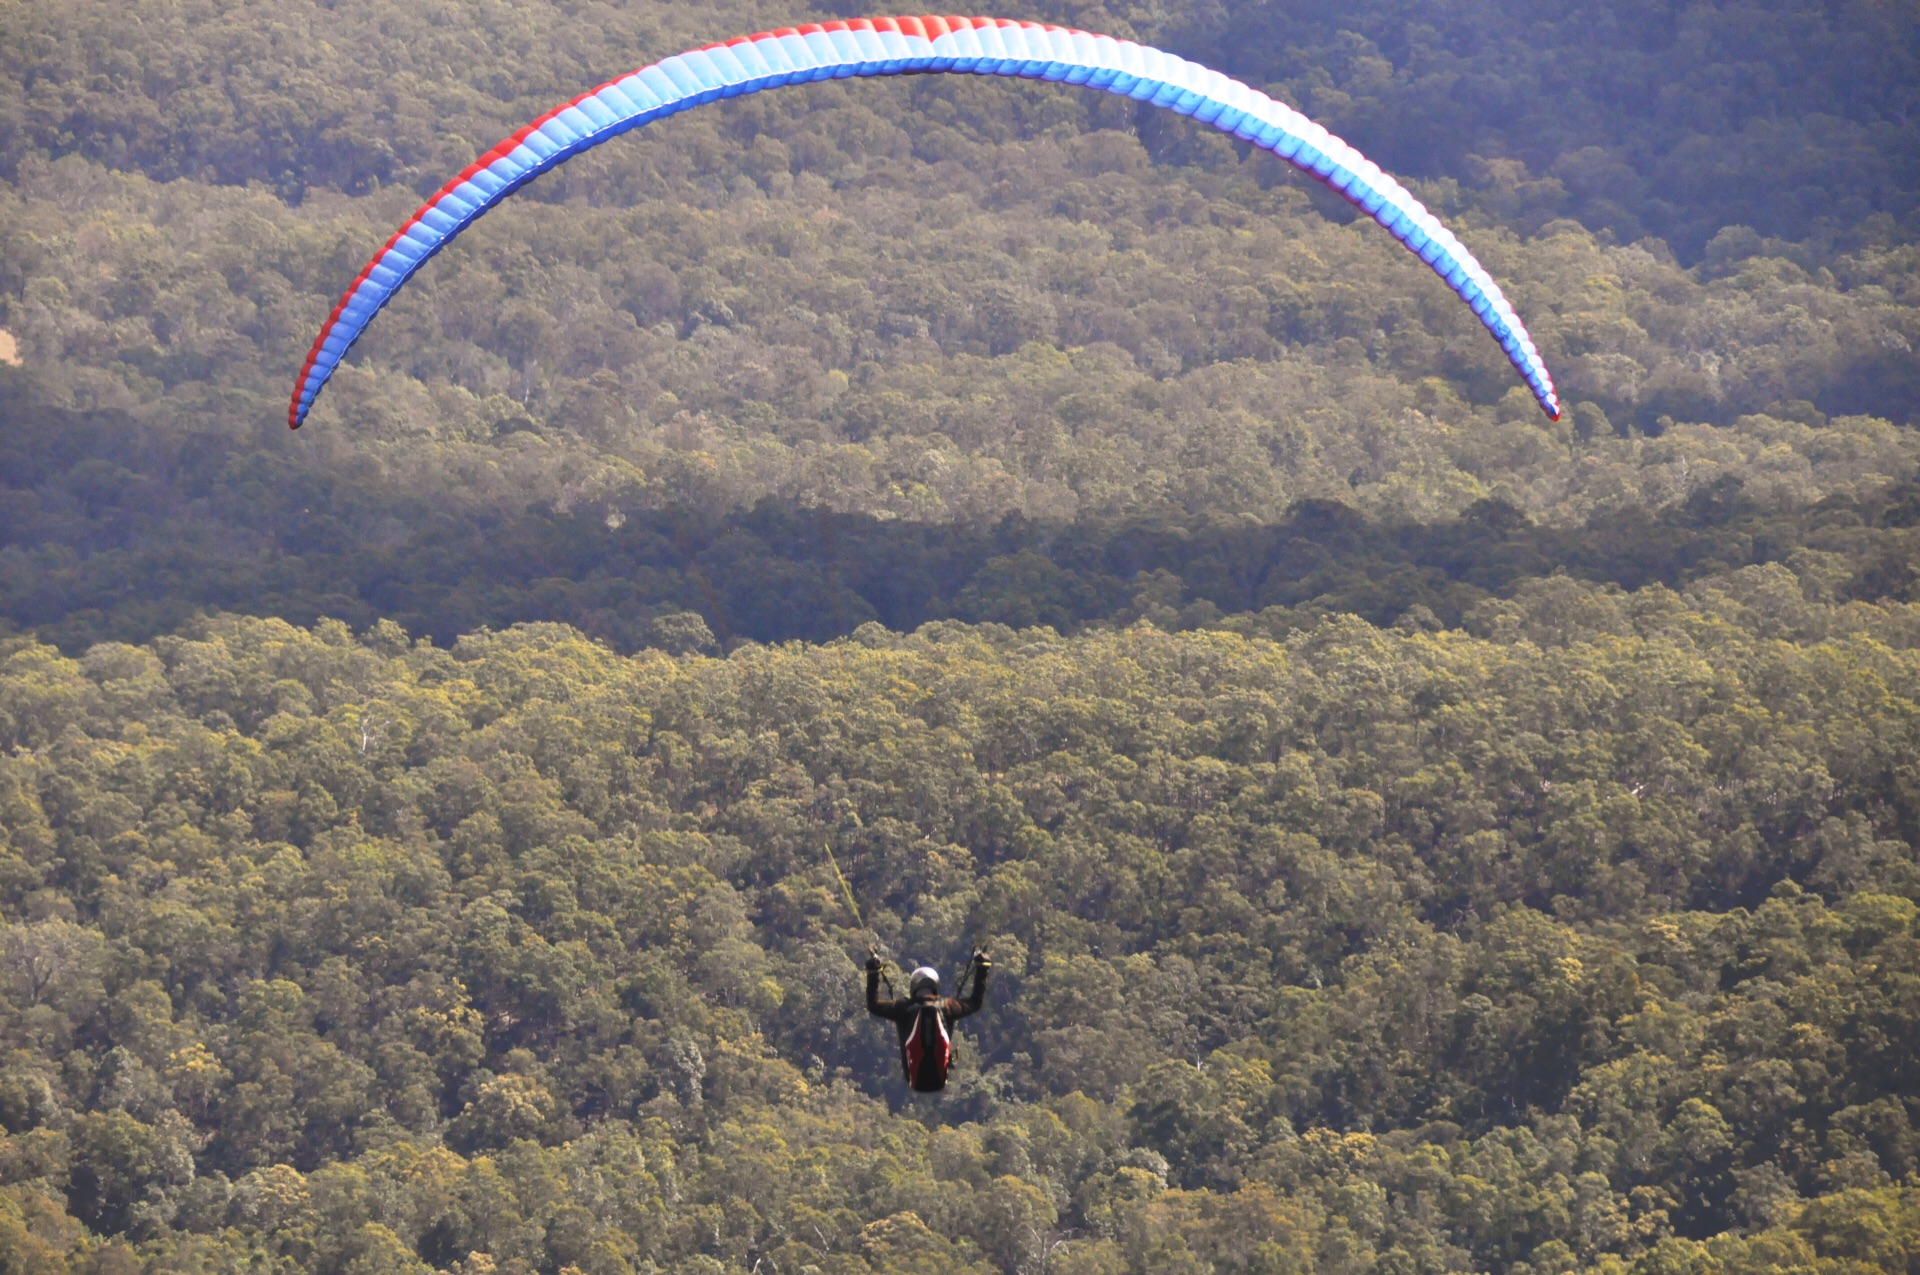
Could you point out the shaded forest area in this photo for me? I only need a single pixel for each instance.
(125, 546)
(1101, 313)
(1415, 837)
(1686, 121)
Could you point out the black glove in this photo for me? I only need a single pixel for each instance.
(873, 964)
(980, 961)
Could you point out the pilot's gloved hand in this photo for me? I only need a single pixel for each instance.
(873, 963)
(981, 961)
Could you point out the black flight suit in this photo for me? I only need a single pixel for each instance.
(904, 1011)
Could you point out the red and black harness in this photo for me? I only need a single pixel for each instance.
(928, 1051)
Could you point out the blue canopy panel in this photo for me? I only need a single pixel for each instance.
(895, 46)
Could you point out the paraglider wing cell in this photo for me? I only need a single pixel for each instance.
(896, 46)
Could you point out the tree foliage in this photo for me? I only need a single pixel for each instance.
(1584, 942)
(1415, 838)
(1097, 311)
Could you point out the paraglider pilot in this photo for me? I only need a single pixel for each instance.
(925, 1019)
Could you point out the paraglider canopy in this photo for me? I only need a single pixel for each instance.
(897, 46)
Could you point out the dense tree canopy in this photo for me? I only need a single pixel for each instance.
(1100, 311)
(1415, 837)
(1694, 122)
(1590, 938)
(120, 534)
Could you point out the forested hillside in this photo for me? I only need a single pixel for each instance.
(1415, 836)
(1099, 313)
(1582, 934)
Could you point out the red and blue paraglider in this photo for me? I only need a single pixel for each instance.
(900, 46)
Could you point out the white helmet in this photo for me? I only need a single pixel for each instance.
(922, 979)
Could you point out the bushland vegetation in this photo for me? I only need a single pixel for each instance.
(1579, 938)
(1415, 836)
